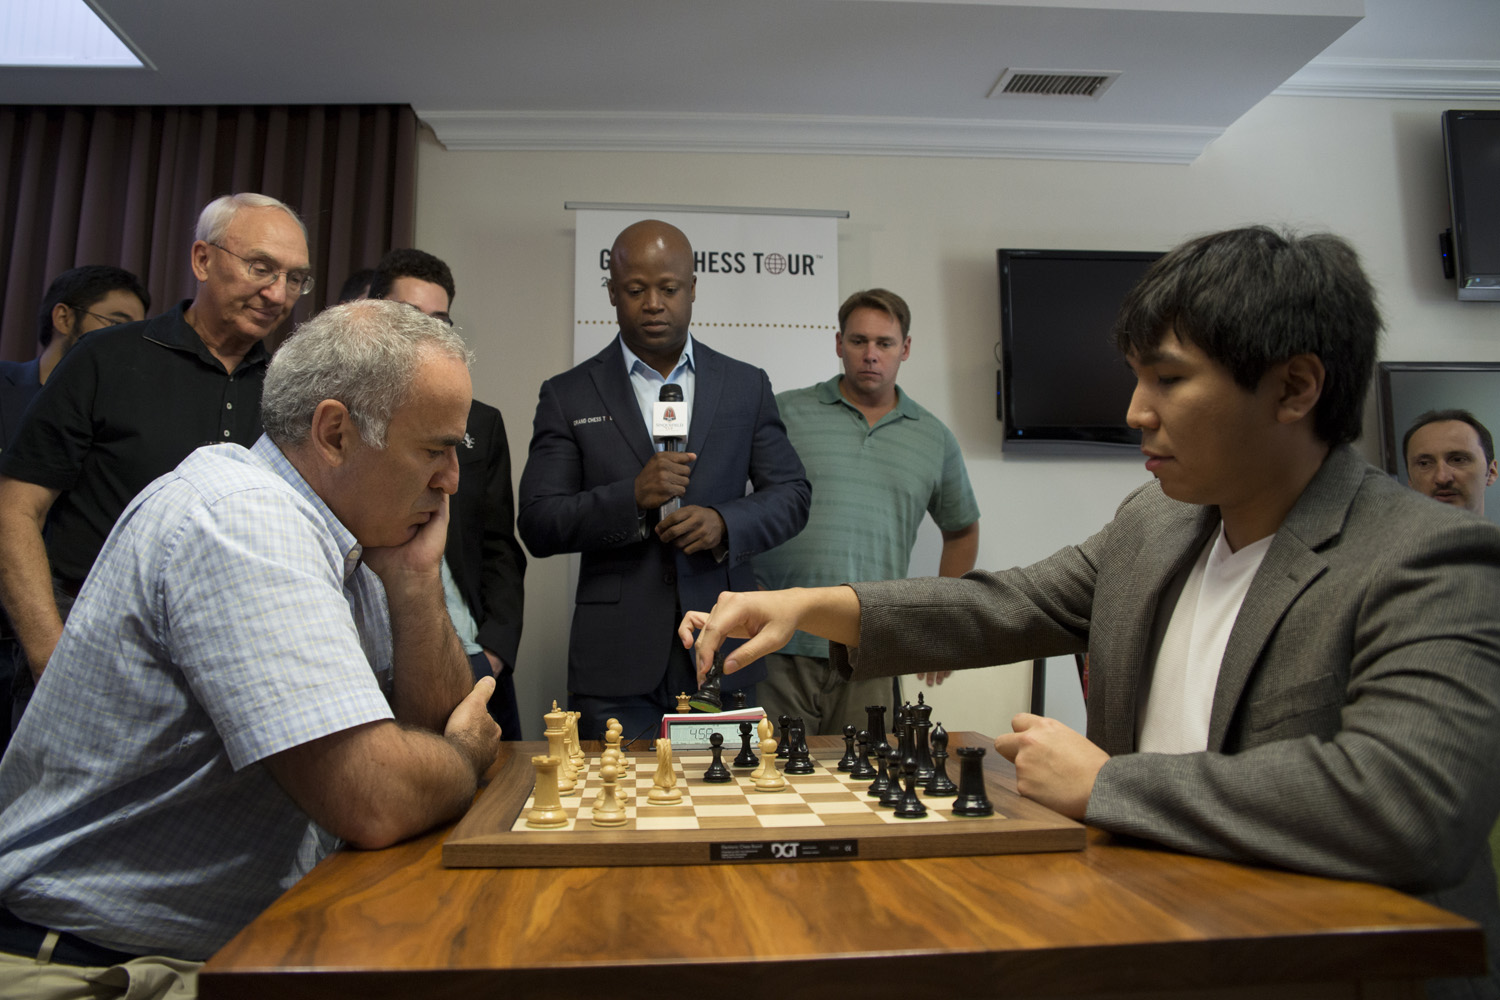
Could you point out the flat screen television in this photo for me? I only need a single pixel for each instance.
(1471, 140)
(1407, 389)
(1063, 388)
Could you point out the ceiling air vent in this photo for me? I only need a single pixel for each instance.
(1053, 83)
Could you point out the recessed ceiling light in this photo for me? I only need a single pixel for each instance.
(61, 33)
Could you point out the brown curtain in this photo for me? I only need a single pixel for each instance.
(123, 186)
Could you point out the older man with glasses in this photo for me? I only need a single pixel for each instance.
(131, 402)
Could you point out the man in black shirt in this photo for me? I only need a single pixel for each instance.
(129, 403)
(79, 301)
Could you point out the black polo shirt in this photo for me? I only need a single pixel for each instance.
(123, 407)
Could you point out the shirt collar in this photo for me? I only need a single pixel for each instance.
(828, 392)
(266, 451)
(685, 359)
(171, 329)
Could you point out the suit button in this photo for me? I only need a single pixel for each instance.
(669, 578)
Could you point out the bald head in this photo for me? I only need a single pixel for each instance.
(649, 236)
(652, 287)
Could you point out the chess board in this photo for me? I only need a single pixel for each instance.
(822, 816)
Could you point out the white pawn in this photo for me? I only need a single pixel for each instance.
(614, 737)
(608, 809)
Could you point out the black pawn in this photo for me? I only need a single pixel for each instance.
(799, 761)
(846, 762)
(909, 806)
(717, 773)
(746, 756)
(882, 782)
(784, 744)
(972, 799)
(737, 699)
(892, 797)
(863, 770)
(940, 785)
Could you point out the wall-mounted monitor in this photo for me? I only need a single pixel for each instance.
(1471, 140)
(1407, 389)
(1063, 388)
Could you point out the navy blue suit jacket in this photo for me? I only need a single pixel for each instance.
(577, 494)
(18, 384)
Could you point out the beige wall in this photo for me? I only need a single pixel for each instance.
(1371, 170)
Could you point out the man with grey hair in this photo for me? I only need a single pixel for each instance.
(268, 627)
(128, 404)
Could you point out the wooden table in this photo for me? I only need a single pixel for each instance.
(1116, 919)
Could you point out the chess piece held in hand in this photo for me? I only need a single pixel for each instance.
(709, 697)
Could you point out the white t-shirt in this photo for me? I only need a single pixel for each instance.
(1181, 699)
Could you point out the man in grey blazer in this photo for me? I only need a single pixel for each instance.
(1294, 661)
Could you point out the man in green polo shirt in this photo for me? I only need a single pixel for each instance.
(878, 462)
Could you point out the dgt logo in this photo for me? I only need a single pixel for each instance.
(784, 850)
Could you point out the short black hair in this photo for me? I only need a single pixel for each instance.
(1438, 416)
(81, 288)
(1251, 298)
(357, 285)
(410, 263)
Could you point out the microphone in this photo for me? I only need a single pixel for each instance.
(669, 426)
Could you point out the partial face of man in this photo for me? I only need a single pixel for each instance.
(232, 304)
(872, 349)
(652, 288)
(426, 296)
(1206, 438)
(118, 306)
(1445, 460)
(388, 493)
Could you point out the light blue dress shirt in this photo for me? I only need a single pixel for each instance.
(227, 618)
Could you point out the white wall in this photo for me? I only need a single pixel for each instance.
(1371, 170)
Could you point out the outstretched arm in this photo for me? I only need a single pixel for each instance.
(767, 618)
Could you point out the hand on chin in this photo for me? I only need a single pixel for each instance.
(416, 555)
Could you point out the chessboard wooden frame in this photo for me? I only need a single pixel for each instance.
(484, 838)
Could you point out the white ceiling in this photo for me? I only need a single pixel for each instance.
(847, 76)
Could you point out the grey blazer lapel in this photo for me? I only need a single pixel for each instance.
(619, 399)
(1291, 565)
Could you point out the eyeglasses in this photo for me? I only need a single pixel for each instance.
(297, 282)
(115, 320)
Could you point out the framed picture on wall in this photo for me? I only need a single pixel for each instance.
(1407, 389)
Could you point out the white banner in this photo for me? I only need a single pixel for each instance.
(768, 288)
